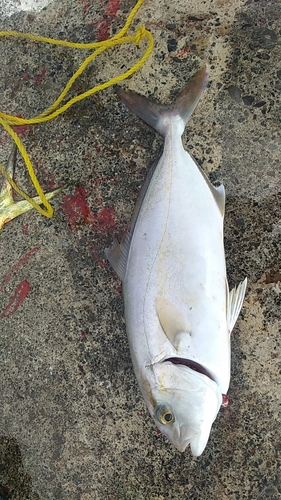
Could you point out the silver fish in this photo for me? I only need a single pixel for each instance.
(178, 309)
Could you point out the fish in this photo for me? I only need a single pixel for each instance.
(179, 312)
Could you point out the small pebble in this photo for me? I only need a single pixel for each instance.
(172, 45)
(248, 100)
(240, 222)
(170, 26)
(259, 104)
(235, 93)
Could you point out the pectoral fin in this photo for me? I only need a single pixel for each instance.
(235, 301)
(172, 320)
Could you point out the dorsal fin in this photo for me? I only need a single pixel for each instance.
(217, 192)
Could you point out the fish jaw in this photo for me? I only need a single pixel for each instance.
(194, 401)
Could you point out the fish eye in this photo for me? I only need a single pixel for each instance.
(164, 415)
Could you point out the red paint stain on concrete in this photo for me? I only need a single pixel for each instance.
(182, 52)
(18, 265)
(49, 180)
(76, 208)
(86, 7)
(25, 258)
(39, 78)
(24, 228)
(104, 30)
(105, 219)
(112, 7)
(21, 129)
(111, 10)
(78, 212)
(20, 294)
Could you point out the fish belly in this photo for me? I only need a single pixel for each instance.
(177, 253)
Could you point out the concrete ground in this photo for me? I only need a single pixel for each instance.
(73, 425)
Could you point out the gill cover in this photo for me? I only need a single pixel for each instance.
(186, 405)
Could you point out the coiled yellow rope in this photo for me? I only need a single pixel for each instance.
(8, 121)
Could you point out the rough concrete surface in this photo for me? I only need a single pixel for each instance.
(9, 7)
(73, 425)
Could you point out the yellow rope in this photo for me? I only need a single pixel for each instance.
(8, 121)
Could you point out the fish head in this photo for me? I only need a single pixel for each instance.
(185, 406)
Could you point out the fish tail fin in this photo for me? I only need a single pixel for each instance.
(159, 116)
(189, 97)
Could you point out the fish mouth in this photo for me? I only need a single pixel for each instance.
(192, 365)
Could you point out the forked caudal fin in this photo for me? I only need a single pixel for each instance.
(158, 116)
